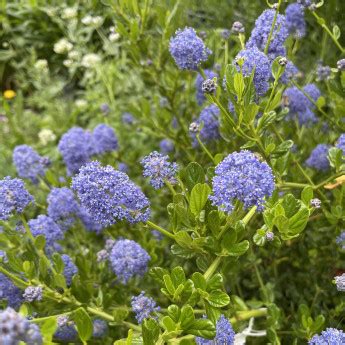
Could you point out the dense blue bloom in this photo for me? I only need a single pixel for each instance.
(242, 176)
(13, 197)
(261, 31)
(187, 49)
(200, 97)
(62, 207)
(159, 169)
(295, 22)
(290, 73)
(14, 328)
(33, 293)
(340, 282)
(318, 158)
(143, 306)
(105, 139)
(313, 92)
(28, 162)
(128, 259)
(299, 105)
(340, 144)
(109, 195)
(70, 268)
(331, 336)
(89, 223)
(74, 147)
(225, 335)
(254, 58)
(44, 225)
(9, 292)
(66, 333)
(100, 328)
(209, 118)
(341, 239)
(166, 146)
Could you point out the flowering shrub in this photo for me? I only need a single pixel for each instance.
(172, 173)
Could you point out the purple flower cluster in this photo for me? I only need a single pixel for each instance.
(62, 207)
(28, 162)
(242, 176)
(166, 146)
(340, 144)
(14, 329)
(331, 336)
(13, 197)
(159, 169)
(44, 225)
(128, 259)
(66, 330)
(295, 22)
(109, 195)
(224, 334)
(254, 58)
(33, 293)
(261, 31)
(200, 97)
(318, 158)
(323, 72)
(88, 221)
(187, 49)
(209, 118)
(300, 106)
(77, 145)
(143, 306)
(9, 292)
(70, 268)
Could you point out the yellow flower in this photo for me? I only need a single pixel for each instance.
(9, 94)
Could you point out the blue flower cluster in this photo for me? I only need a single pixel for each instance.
(225, 334)
(70, 268)
(295, 22)
(14, 328)
(318, 158)
(100, 328)
(66, 330)
(200, 97)
(242, 176)
(300, 106)
(159, 169)
(33, 293)
(44, 225)
(128, 259)
(9, 292)
(254, 58)
(166, 146)
(88, 221)
(291, 72)
(261, 31)
(323, 72)
(187, 49)
(109, 195)
(13, 197)
(331, 336)
(28, 162)
(77, 145)
(62, 207)
(340, 144)
(143, 306)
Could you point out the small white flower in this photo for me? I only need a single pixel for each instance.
(46, 135)
(41, 64)
(97, 21)
(68, 62)
(73, 55)
(90, 60)
(87, 20)
(80, 103)
(69, 13)
(63, 46)
(114, 36)
(112, 29)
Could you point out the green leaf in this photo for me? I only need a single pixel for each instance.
(169, 323)
(83, 323)
(169, 284)
(277, 69)
(216, 282)
(239, 85)
(150, 331)
(199, 281)
(306, 195)
(198, 197)
(250, 112)
(290, 204)
(218, 299)
(40, 242)
(202, 328)
(213, 222)
(266, 119)
(194, 174)
(174, 312)
(48, 328)
(238, 249)
(336, 32)
(187, 316)
(177, 276)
